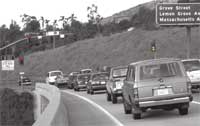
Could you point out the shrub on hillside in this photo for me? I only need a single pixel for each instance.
(16, 109)
(145, 18)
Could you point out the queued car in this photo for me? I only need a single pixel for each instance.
(61, 80)
(72, 80)
(97, 82)
(84, 71)
(115, 83)
(156, 84)
(24, 80)
(52, 75)
(81, 81)
(192, 67)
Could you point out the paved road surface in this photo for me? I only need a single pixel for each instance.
(82, 113)
(151, 118)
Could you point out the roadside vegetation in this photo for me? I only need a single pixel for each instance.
(16, 108)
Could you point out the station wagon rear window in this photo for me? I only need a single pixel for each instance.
(191, 65)
(100, 77)
(160, 71)
(84, 77)
(56, 73)
(119, 72)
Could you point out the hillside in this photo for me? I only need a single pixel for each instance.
(118, 49)
(128, 14)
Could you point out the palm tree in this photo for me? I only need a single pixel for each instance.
(64, 21)
(72, 18)
(47, 23)
(94, 17)
(25, 19)
(42, 19)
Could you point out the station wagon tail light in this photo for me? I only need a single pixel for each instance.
(93, 82)
(114, 84)
(135, 92)
(189, 86)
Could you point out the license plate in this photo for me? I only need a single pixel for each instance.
(103, 82)
(164, 91)
(118, 86)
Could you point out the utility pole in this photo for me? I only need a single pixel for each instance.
(54, 37)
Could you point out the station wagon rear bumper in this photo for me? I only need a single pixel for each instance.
(81, 86)
(99, 87)
(165, 102)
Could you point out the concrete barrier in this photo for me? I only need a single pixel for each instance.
(50, 110)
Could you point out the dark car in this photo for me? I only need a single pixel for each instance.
(97, 82)
(115, 83)
(23, 80)
(81, 81)
(72, 79)
(61, 80)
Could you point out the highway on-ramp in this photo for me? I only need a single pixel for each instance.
(84, 113)
(150, 118)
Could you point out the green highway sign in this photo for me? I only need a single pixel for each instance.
(178, 14)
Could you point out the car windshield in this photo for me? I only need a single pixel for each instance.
(83, 77)
(56, 73)
(119, 72)
(191, 65)
(160, 70)
(102, 76)
(86, 71)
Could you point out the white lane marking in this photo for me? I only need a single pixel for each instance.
(118, 123)
(195, 102)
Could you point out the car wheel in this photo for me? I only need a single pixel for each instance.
(183, 111)
(77, 89)
(127, 107)
(74, 89)
(108, 96)
(114, 98)
(137, 115)
(91, 92)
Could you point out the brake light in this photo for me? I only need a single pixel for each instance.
(189, 86)
(114, 85)
(135, 93)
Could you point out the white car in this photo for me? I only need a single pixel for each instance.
(52, 75)
(192, 67)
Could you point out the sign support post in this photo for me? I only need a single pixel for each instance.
(188, 28)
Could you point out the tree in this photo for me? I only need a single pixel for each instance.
(145, 18)
(30, 23)
(64, 21)
(32, 26)
(124, 25)
(43, 21)
(14, 32)
(94, 17)
(47, 24)
(72, 18)
(4, 31)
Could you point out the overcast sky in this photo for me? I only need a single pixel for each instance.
(53, 9)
